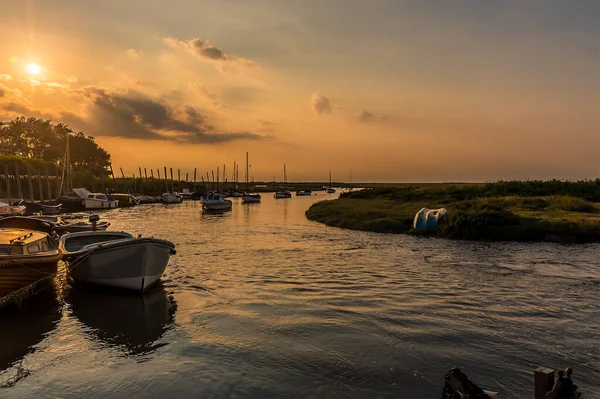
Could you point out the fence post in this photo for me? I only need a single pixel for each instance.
(41, 190)
(18, 178)
(31, 196)
(543, 380)
(7, 183)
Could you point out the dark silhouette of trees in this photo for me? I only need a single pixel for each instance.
(36, 138)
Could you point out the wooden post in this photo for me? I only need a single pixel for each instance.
(113, 177)
(178, 175)
(153, 185)
(41, 190)
(172, 187)
(48, 183)
(544, 380)
(134, 185)
(166, 181)
(141, 181)
(18, 178)
(186, 176)
(194, 179)
(7, 183)
(207, 180)
(31, 196)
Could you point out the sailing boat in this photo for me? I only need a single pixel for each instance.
(329, 189)
(283, 193)
(249, 198)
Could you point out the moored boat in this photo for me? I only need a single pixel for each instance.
(172, 198)
(126, 199)
(26, 257)
(282, 194)
(251, 198)
(216, 202)
(116, 259)
(11, 210)
(45, 208)
(303, 193)
(100, 201)
(149, 199)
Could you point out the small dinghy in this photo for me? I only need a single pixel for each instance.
(172, 198)
(45, 208)
(282, 194)
(11, 210)
(251, 198)
(215, 202)
(116, 259)
(303, 193)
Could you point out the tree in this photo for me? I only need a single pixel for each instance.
(36, 138)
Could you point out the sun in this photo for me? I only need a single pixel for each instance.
(34, 69)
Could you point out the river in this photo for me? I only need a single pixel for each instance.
(260, 302)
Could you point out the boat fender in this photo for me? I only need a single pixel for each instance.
(172, 252)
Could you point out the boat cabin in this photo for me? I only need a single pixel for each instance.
(214, 197)
(102, 197)
(23, 242)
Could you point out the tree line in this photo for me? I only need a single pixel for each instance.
(40, 139)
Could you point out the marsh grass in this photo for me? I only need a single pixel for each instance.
(556, 218)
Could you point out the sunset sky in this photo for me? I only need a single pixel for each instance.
(391, 90)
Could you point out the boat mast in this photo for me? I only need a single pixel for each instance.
(329, 178)
(247, 171)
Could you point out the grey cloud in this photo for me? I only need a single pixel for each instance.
(198, 47)
(320, 104)
(368, 117)
(133, 115)
(202, 91)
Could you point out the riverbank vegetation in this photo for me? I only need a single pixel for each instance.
(556, 211)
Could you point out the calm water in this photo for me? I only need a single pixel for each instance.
(259, 302)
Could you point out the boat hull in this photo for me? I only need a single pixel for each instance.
(249, 199)
(281, 195)
(93, 203)
(171, 199)
(217, 206)
(134, 264)
(45, 209)
(17, 272)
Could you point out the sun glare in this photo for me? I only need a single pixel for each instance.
(34, 69)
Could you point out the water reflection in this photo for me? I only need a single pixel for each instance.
(22, 328)
(131, 322)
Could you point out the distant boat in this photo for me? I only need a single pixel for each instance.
(149, 199)
(283, 193)
(116, 259)
(303, 193)
(249, 198)
(215, 202)
(237, 194)
(100, 201)
(329, 189)
(11, 210)
(45, 208)
(172, 198)
(126, 199)
(185, 194)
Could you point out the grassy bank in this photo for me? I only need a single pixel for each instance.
(475, 212)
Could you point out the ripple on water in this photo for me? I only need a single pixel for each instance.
(260, 302)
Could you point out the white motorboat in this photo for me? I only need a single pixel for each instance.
(11, 210)
(116, 259)
(216, 202)
(100, 201)
(172, 198)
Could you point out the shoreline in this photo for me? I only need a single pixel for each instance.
(552, 218)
